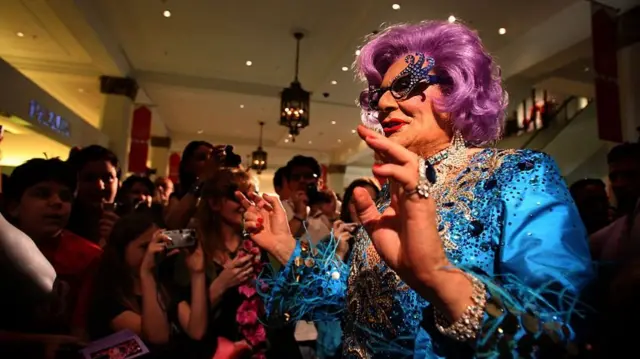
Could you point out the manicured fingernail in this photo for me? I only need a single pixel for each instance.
(260, 220)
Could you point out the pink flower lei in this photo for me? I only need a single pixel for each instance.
(252, 308)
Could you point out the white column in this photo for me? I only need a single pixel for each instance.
(115, 122)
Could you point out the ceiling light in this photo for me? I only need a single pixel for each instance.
(200, 132)
(586, 69)
(502, 31)
(286, 140)
(452, 19)
(80, 90)
(339, 140)
(353, 131)
(395, 6)
(166, 13)
(241, 106)
(333, 122)
(344, 68)
(334, 82)
(249, 63)
(309, 142)
(357, 52)
(19, 34)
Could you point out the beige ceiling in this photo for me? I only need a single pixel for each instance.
(56, 51)
(192, 65)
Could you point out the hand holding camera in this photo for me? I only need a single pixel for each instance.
(157, 248)
(300, 201)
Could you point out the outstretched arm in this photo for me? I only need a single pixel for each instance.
(312, 283)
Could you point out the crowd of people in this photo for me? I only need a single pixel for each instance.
(103, 238)
(462, 251)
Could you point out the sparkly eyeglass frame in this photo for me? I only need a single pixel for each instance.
(369, 98)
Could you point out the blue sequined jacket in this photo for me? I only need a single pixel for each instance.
(507, 218)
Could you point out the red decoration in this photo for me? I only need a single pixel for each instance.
(140, 135)
(174, 167)
(604, 31)
(252, 308)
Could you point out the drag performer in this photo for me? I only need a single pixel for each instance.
(471, 252)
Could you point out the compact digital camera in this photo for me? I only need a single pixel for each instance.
(181, 238)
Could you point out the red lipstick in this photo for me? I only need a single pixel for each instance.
(392, 126)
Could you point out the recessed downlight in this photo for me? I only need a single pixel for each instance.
(353, 131)
(286, 140)
(395, 6)
(241, 106)
(502, 31)
(200, 132)
(20, 34)
(452, 19)
(333, 122)
(166, 13)
(310, 142)
(358, 52)
(345, 68)
(334, 82)
(249, 63)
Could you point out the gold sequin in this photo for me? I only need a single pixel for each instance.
(309, 262)
(304, 245)
(298, 261)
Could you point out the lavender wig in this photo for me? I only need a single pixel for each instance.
(473, 95)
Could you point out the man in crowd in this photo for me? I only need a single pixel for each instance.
(39, 199)
(614, 242)
(94, 214)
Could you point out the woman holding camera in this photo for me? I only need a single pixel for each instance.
(236, 309)
(200, 160)
(130, 291)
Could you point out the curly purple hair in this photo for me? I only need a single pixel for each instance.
(473, 94)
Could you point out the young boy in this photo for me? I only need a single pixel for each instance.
(39, 196)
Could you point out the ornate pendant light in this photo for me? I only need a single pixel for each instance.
(294, 104)
(259, 156)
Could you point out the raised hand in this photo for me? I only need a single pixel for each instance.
(157, 245)
(405, 234)
(195, 259)
(342, 233)
(266, 221)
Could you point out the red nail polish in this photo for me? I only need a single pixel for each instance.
(260, 220)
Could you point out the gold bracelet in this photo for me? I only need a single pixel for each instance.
(467, 327)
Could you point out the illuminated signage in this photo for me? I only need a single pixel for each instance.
(49, 119)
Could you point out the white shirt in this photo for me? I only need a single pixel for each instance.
(316, 226)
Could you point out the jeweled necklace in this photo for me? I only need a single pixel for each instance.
(448, 160)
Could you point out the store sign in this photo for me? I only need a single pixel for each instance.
(49, 119)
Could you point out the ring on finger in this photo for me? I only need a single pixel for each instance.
(425, 183)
